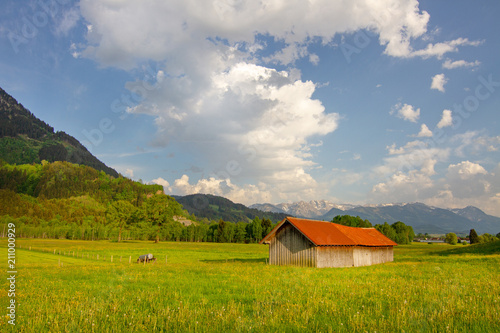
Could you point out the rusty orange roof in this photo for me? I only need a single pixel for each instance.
(322, 233)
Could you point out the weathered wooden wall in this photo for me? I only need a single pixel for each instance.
(290, 247)
(382, 254)
(362, 256)
(335, 256)
(348, 256)
(366, 256)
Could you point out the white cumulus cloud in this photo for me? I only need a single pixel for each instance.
(406, 112)
(425, 132)
(164, 183)
(446, 119)
(466, 170)
(438, 82)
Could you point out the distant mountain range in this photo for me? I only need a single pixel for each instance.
(421, 217)
(25, 139)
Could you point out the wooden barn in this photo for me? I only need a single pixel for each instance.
(302, 242)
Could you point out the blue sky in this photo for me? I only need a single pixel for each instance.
(362, 102)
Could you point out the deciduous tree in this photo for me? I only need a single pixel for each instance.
(451, 238)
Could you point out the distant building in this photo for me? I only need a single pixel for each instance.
(310, 243)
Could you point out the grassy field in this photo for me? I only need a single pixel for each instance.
(205, 287)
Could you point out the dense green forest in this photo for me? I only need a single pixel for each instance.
(25, 139)
(65, 200)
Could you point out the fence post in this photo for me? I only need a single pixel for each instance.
(111, 258)
(54, 251)
(165, 259)
(97, 256)
(129, 259)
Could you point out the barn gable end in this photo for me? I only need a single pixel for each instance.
(291, 247)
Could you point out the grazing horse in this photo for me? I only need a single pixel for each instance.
(146, 257)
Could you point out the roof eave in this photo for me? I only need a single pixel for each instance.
(269, 236)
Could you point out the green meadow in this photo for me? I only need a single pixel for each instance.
(211, 287)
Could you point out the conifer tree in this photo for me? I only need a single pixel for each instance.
(473, 237)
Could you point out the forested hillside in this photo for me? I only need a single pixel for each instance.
(65, 200)
(25, 139)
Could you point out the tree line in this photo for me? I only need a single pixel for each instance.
(397, 232)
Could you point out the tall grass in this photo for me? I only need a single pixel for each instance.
(206, 287)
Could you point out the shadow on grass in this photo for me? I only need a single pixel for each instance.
(484, 249)
(263, 260)
(126, 241)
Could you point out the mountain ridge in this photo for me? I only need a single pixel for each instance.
(216, 207)
(421, 217)
(26, 139)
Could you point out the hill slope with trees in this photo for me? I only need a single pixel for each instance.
(215, 208)
(65, 200)
(25, 139)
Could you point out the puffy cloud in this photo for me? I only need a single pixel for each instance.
(469, 183)
(446, 119)
(129, 172)
(449, 64)
(467, 180)
(249, 122)
(404, 187)
(438, 82)
(162, 182)
(475, 142)
(410, 146)
(415, 155)
(249, 194)
(406, 112)
(465, 170)
(128, 31)
(125, 31)
(425, 132)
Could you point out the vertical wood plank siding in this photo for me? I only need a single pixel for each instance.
(347, 256)
(290, 247)
(335, 256)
